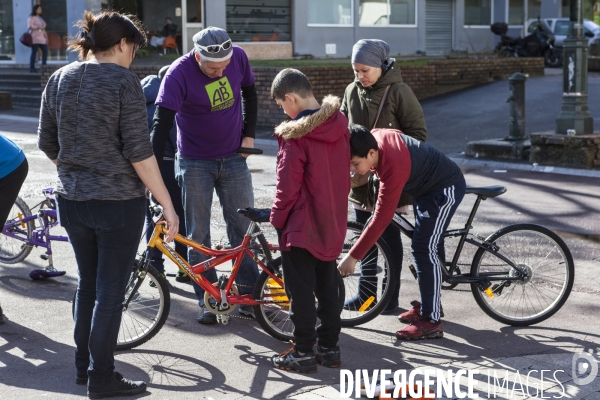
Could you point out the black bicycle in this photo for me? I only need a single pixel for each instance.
(520, 275)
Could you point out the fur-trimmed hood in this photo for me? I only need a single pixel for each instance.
(314, 123)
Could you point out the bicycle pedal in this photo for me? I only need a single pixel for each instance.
(44, 257)
(413, 270)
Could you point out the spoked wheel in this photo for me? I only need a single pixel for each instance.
(147, 310)
(553, 58)
(367, 289)
(14, 250)
(273, 314)
(548, 275)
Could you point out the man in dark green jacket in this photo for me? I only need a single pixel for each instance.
(375, 73)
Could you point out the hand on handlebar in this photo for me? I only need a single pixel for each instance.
(172, 223)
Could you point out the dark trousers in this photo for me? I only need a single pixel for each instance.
(305, 277)
(10, 185)
(391, 236)
(167, 170)
(105, 235)
(433, 213)
(34, 53)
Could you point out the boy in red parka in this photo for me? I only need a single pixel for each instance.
(310, 213)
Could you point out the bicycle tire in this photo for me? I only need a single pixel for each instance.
(13, 250)
(351, 314)
(274, 317)
(548, 261)
(147, 311)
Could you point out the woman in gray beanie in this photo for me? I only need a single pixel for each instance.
(375, 72)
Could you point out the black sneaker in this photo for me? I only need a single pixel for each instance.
(290, 360)
(328, 357)
(81, 379)
(182, 277)
(119, 387)
(2, 319)
(206, 317)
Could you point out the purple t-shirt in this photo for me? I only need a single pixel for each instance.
(209, 110)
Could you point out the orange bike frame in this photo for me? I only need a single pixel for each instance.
(218, 257)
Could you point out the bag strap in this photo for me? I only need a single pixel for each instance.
(381, 105)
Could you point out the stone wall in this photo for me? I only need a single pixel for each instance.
(549, 148)
(432, 79)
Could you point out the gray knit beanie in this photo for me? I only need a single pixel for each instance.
(209, 37)
(371, 52)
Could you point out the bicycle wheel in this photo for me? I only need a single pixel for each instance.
(148, 308)
(273, 314)
(549, 269)
(14, 250)
(367, 286)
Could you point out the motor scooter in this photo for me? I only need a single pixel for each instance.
(540, 43)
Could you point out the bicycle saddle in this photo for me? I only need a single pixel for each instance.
(256, 214)
(487, 191)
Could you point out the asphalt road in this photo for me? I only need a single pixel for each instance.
(190, 361)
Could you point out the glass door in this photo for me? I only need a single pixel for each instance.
(54, 12)
(7, 31)
(193, 21)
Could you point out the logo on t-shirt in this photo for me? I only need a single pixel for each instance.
(220, 94)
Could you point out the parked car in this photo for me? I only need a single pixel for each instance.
(560, 28)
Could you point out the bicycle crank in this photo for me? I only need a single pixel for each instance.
(214, 306)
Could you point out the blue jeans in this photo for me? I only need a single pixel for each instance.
(167, 171)
(105, 235)
(231, 179)
(34, 53)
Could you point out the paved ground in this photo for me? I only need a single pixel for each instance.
(187, 360)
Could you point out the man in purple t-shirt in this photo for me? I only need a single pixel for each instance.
(210, 93)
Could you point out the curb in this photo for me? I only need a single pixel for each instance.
(501, 165)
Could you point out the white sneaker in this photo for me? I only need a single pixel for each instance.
(247, 311)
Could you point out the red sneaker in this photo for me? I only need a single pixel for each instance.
(421, 329)
(414, 314)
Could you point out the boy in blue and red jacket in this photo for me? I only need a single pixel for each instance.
(437, 186)
(310, 212)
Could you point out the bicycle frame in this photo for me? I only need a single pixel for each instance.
(407, 229)
(47, 218)
(218, 257)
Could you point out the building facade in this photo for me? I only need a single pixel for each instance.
(287, 28)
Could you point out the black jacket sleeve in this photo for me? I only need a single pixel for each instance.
(249, 110)
(163, 121)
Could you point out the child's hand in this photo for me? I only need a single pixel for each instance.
(346, 267)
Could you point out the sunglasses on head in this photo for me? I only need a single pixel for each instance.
(215, 48)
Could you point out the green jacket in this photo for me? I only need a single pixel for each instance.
(401, 111)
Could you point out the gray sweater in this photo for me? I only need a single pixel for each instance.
(93, 122)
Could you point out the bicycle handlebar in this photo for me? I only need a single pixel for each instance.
(248, 150)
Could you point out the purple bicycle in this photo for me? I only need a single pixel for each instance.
(20, 234)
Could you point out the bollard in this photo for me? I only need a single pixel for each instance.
(516, 84)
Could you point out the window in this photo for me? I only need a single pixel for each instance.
(478, 12)
(534, 9)
(515, 12)
(259, 20)
(387, 12)
(330, 12)
(562, 28)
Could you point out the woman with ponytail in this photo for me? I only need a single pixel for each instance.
(93, 127)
